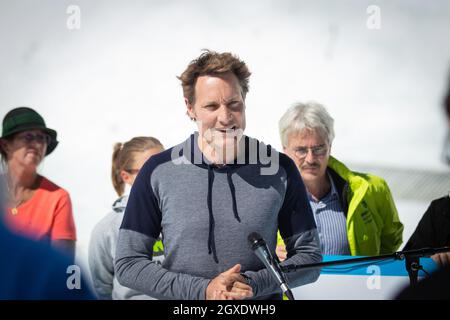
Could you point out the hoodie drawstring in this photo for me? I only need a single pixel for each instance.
(211, 241)
(233, 195)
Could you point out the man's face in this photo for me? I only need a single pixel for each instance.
(310, 151)
(219, 110)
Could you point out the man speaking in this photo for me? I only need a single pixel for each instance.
(208, 194)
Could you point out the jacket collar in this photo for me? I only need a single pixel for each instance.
(357, 186)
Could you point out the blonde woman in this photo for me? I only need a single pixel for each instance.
(127, 160)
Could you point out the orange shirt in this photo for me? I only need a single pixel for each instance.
(46, 216)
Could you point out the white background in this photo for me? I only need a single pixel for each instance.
(115, 78)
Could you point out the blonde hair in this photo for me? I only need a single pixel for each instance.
(123, 158)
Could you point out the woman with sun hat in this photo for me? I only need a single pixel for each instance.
(36, 207)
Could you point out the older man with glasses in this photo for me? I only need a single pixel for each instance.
(354, 212)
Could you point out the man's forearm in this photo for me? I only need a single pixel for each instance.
(135, 270)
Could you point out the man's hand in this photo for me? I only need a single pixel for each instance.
(442, 259)
(281, 252)
(229, 285)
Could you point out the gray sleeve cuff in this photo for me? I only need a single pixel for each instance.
(135, 269)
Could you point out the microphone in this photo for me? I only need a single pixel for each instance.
(259, 246)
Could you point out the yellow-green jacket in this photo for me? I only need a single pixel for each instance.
(373, 225)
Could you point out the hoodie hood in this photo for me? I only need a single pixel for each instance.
(120, 204)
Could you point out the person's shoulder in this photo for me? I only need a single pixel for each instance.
(441, 206)
(442, 202)
(377, 185)
(272, 154)
(110, 221)
(262, 148)
(287, 163)
(261, 145)
(161, 158)
(375, 182)
(53, 189)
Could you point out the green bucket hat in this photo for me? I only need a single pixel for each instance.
(23, 118)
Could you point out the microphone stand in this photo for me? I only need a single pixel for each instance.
(411, 257)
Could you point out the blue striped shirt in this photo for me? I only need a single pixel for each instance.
(331, 223)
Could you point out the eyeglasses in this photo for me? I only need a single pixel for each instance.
(29, 137)
(317, 151)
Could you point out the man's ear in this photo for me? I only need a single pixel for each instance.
(190, 109)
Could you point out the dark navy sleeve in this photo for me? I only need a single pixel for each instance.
(295, 216)
(134, 265)
(142, 213)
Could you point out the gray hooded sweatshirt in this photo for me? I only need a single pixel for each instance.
(205, 214)
(102, 250)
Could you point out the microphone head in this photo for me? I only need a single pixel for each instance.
(255, 240)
